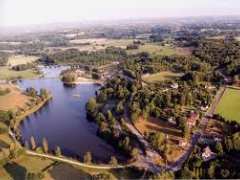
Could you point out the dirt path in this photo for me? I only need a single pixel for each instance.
(216, 100)
(77, 163)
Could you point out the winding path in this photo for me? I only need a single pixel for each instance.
(76, 163)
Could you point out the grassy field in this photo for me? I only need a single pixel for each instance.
(156, 49)
(20, 59)
(162, 76)
(229, 105)
(6, 74)
(13, 100)
(18, 169)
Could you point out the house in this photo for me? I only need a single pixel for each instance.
(172, 121)
(204, 108)
(208, 154)
(174, 86)
(183, 143)
(192, 119)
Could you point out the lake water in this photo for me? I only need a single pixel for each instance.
(63, 120)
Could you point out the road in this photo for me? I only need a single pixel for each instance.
(195, 137)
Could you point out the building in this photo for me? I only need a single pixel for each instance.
(208, 154)
(174, 86)
(183, 143)
(172, 121)
(192, 119)
(204, 108)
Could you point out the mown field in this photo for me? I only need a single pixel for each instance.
(162, 76)
(6, 74)
(20, 59)
(229, 105)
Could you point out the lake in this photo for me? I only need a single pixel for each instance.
(62, 121)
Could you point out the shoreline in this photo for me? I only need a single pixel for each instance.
(83, 81)
(21, 117)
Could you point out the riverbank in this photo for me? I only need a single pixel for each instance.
(21, 117)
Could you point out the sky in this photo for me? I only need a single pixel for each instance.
(26, 12)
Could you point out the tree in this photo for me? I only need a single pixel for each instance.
(219, 148)
(135, 153)
(87, 158)
(45, 145)
(26, 145)
(102, 176)
(33, 143)
(211, 170)
(165, 175)
(186, 173)
(31, 92)
(91, 105)
(225, 173)
(157, 140)
(69, 77)
(236, 141)
(43, 93)
(58, 151)
(113, 161)
(186, 131)
(12, 151)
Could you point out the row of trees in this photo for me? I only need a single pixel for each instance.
(23, 67)
(97, 58)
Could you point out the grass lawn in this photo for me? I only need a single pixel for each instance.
(229, 105)
(6, 73)
(18, 168)
(162, 76)
(20, 59)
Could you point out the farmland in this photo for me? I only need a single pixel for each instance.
(162, 76)
(156, 49)
(94, 44)
(20, 59)
(229, 105)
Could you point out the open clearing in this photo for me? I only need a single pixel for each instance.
(20, 59)
(7, 74)
(162, 76)
(156, 125)
(229, 105)
(13, 100)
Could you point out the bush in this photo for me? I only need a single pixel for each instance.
(96, 76)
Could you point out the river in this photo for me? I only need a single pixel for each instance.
(62, 121)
